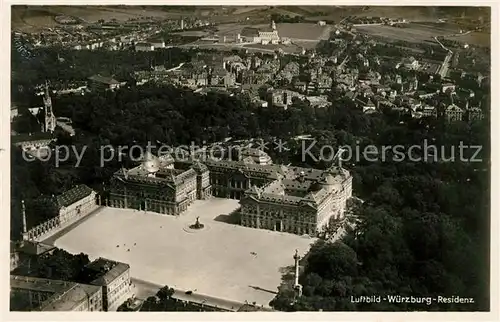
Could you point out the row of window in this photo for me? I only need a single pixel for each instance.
(271, 220)
(296, 228)
(97, 304)
(119, 291)
(252, 212)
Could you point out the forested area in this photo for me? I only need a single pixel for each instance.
(56, 265)
(424, 225)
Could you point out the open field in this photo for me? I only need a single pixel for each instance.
(308, 31)
(301, 44)
(33, 18)
(422, 32)
(411, 33)
(229, 29)
(410, 13)
(303, 31)
(418, 13)
(473, 38)
(216, 261)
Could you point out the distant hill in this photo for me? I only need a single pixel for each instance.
(33, 17)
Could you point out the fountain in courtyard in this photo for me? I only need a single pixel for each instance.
(197, 224)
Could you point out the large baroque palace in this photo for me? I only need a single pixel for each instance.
(276, 197)
(156, 185)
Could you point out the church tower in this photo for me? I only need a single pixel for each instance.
(273, 25)
(50, 119)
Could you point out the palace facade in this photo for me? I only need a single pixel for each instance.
(156, 185)
(59, 211)
(300, 201)
(276, 197)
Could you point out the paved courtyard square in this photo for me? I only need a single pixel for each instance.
(222, 260)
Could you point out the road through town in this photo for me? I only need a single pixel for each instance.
(143, 289)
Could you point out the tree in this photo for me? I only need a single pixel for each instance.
(331, 261)
(165, 293)
(58, 265)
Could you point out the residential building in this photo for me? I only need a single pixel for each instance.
(65, 124)
(144, 46)
(259, 102)
(41, 294)
(220, 76)
(454, 113)
(369, 106)
(258, 156)
(114, 279)
(14, 112)
(324, 83)
(448, 87)
(156, 43)
(290, 70)
(103, 82)
(475, 113)
(35, 145)
(428, 110)
(284, 98)
(14, 256)
(300, 86)
(411, 63)
(318, 101)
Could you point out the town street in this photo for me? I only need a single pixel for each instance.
(143, 290)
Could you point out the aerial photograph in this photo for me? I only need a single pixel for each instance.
(250, 158)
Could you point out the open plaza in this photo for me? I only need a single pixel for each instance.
(221, 260)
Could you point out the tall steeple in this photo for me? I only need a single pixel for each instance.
(273, 25)
(50, 119)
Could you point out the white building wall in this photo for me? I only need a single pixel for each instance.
(119, 291)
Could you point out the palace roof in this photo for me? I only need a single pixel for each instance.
(73, 195)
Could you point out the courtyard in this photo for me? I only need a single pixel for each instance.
(221, 260)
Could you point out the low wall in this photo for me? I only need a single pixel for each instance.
(53, 226)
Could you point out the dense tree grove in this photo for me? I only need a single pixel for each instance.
(424, 226)
(58, 265)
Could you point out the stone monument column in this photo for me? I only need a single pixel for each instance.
(297, 286)
(23, 209)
